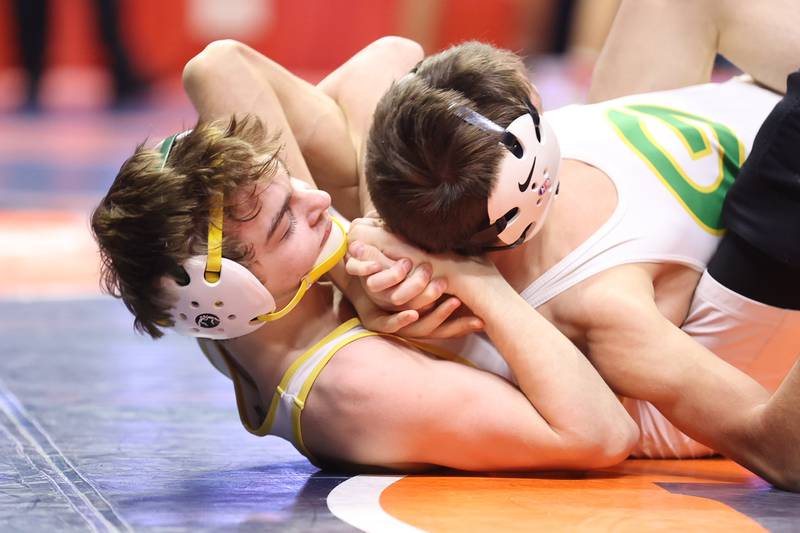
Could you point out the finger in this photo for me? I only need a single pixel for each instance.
(456, 327)
(371, 231)
(363, 231)
(426, 325)
(389, 277)
(367, 221)
(413, 286)
(390, 323)
(357, 267)
(433, 291)
(367, 252)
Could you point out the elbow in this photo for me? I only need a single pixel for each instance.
(604, 446)
(620, 442)
(602, 453)
(778, 464)
(621, 438)
(208, 61)
(764, 444)
(399, 50)
(787, 479)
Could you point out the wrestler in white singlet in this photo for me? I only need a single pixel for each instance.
(672, 155)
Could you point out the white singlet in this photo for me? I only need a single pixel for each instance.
(672, 155)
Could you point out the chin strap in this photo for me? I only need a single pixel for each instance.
(310, 278)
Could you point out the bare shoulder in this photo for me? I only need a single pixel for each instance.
(355, 411)
(606, 300)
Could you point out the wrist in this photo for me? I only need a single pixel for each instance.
(476, 283)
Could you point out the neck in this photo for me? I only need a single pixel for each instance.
(523, 264)
(519, 266)
(313, 317)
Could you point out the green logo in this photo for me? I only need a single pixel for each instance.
(703, 203)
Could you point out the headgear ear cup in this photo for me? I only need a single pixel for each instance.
(526, 182)
(222, 297)
(238, 303)
(224, 309)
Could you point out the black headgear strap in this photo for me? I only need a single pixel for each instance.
(486, 236)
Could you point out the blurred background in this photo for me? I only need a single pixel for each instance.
(83, 81)
(83, 52)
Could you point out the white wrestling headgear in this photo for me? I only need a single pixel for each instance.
(527, 181)
(221, 299)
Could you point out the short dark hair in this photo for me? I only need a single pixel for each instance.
(428, 172)
(153, 218)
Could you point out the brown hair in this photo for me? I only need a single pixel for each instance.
(152, 219)
(429, 173)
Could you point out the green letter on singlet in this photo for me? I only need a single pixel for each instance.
(703, 203)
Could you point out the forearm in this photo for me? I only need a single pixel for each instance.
(555, 376)
(331, 120)
(735, 416)
(222, 81)
(358, 85)
(705, 397)
(228, 77)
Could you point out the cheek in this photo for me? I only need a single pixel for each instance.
(305, 250)
(294, 261)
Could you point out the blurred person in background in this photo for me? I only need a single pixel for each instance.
(33, 25)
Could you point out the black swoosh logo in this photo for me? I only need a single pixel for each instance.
(524, 186)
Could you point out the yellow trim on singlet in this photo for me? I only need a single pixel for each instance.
(300, 400)
(305, 390)
(264, 428)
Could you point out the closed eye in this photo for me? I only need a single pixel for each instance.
(291, 227)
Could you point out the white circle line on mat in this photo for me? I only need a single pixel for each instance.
(357, 502)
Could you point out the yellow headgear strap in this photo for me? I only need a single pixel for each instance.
(214, 263)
